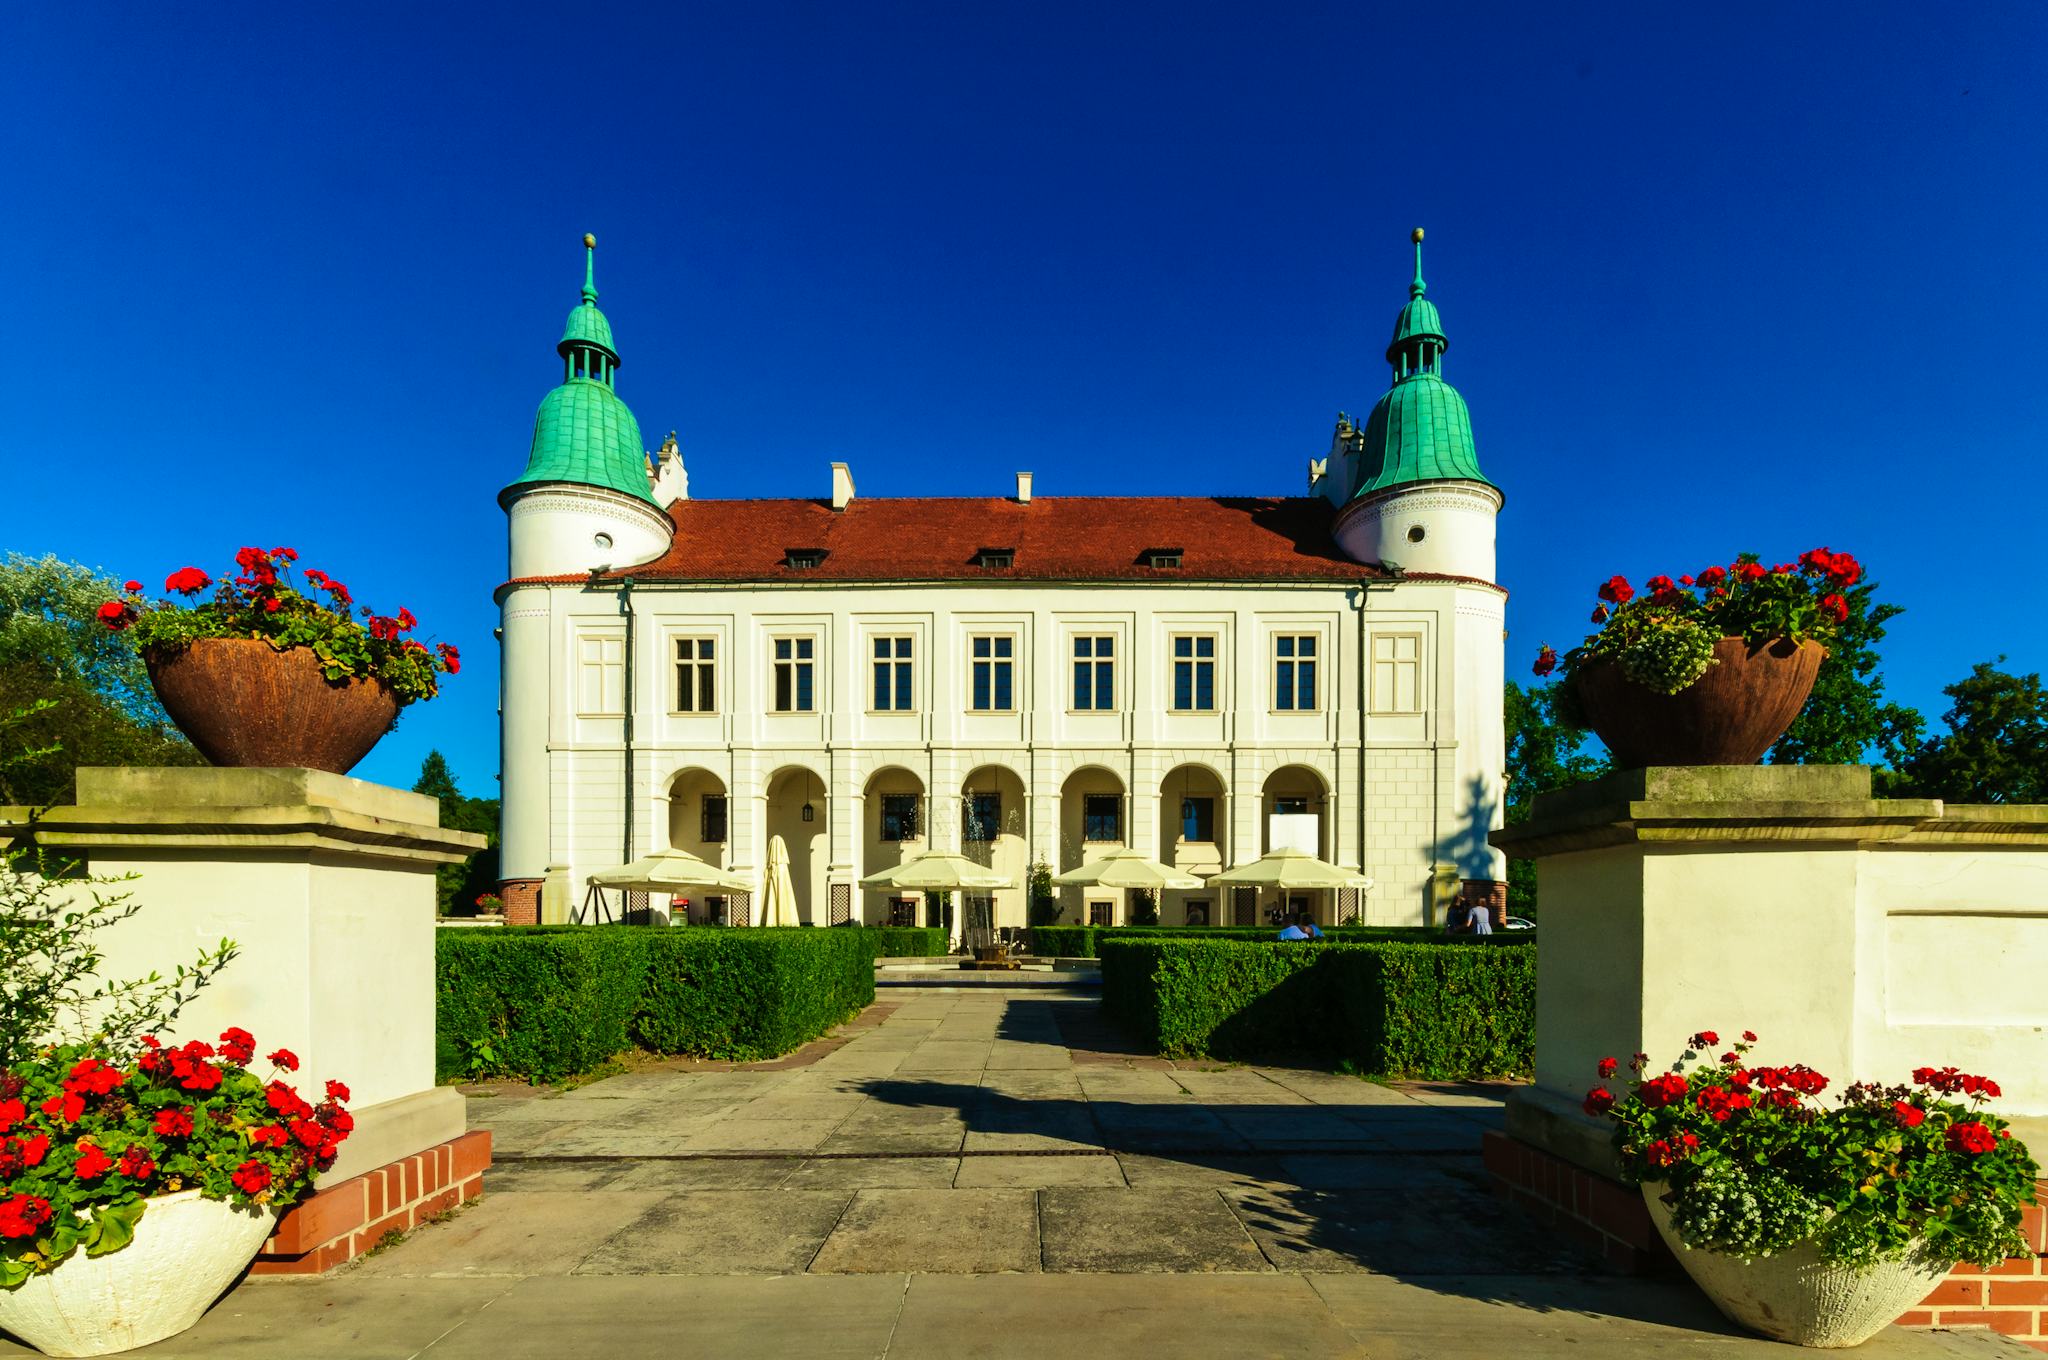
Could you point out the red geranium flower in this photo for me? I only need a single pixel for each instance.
(270, 1135)
(286, 1059)
(1659, 1092)
(1712, 576)
(12, 1112)
(251, 1177)
(116, 614)
(336, 1091)
(1608, 1067)
(22, 1215)
(135, 1162)
(1546, 660)
(66, 1106)
(133, 587)
(1704, 1040)
(1835, 607)
(1968, 1136)
(451, 660)
(1599, 1101)
(237, 1045)
(1909, 1116)
(173, 1123)
(92, 1163)
(187, 581)
(1617, 590)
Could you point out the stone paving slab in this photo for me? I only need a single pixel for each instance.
(948, 1231)
(1038, 1172)
(1168, 1231)
(721, 1232)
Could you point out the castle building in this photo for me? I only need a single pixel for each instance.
(1023, 678)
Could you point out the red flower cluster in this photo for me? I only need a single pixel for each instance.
(187, 581)
(1909, 1116)
(237, 1045)
(1659, 1092)
(18, 1154)
(1968, 1136)
(1599, 1101)
(175, 1123)
(1546, 660)
(1798, 1077)
(1617, 590)
(1719, 1102)
(1949, 1081)
(22, 1215)
(1841, 569)
(117, 614)
(1703, 1041)
(251, 1177)
(1671, 1151)
(92, 1163)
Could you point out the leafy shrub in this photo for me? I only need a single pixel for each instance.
(1079, 942)
(544, 1003)
(903, 942)
(1444, 1009)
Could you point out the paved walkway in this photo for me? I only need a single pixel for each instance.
(982, 1173)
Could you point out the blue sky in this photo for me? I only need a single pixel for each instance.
(1714, 279)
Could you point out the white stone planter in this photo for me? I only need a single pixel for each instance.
(1794, 1296)
(186, 1251)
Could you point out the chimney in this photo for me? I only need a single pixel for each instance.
(1023, 488)
(842, 486)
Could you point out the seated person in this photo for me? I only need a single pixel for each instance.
(1310, 929)
(1294, 932)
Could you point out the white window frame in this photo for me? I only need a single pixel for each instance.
(1195, 661)
(992, 661)
(903, 655)
(1386, 697)
(1276, 660)
(600, 666)
(793, 663)
(704, 673)
(1094, 661)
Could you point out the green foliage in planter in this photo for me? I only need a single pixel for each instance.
(544, 1003)
(1446, 1009)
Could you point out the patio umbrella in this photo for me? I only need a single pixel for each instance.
(938, 871)
(1126, 868)
(672, 872)
(778, 893)
(1289, 870)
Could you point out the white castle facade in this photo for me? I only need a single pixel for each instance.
(1023, 678)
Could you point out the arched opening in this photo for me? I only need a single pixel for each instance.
(1294, 814)
(993, 825)
(799, 812)
(1194, 836)
(892, 829)
(1094, 817)
(700, 824)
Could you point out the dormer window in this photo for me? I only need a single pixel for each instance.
(995, 559)
(803, 559)
(1161, 557)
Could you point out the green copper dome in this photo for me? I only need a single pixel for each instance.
(583, 432)
(1420, 431)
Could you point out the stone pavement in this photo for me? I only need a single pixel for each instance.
(982, 1173)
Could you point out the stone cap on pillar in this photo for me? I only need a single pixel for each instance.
(285, 811)
(1787, 803)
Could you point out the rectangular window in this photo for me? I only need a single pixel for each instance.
(1099, 913)
(902, 911)
(899, 816)
(893, 692)
(1397, 673)
(696, 675)
(1194, 674)
(993, 658)
(1198, 820)
(1102, 817)
(711, 822)
(983, 817)
(1094, 673)
(1294, 672)
(794, 659)
(1289, 807)
(601, 676)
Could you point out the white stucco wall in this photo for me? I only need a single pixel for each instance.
(564, 794)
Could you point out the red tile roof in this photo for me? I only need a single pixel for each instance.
(1055, 538)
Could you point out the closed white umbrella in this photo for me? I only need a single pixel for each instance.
(1126, 868)
(1289, 870)
(938, 871)
(778, 907)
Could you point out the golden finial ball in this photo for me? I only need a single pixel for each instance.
(1415, 236)
(590, 242)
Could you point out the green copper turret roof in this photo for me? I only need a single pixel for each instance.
(583, 433)
(1421, 430)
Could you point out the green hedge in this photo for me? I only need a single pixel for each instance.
(1444, 1009)
(1079, 942)
(906, 942)
(543, 1004)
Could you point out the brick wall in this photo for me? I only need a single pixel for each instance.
(340, 1222)
(2011, 1298)
(522, 901)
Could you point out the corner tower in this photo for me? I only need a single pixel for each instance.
(1418, 499)
(583, 501)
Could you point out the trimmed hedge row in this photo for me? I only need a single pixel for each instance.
(906, 942)
(1079, 942)
(1442, 1010)
(543, 1004)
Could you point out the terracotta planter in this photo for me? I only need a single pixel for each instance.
(1729, 716)
(186, 1251)
(1794, 1295)
(245, 704)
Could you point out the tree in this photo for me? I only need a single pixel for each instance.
(1543, 752)
(1996, 746)
(1848, 721)
(53, 647)
(457, 886)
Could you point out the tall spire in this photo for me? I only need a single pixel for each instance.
(586, 345)
(1415, 289)
(1418, 345)
(590, 267)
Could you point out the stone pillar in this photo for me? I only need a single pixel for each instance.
(1863, 936)
(326, 884)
